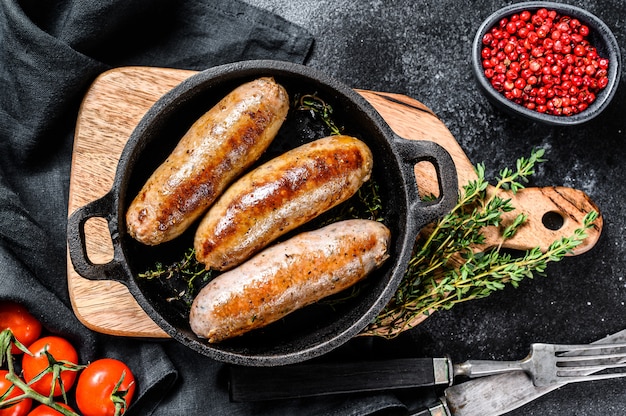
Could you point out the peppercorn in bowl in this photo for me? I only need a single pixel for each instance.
(549, 62)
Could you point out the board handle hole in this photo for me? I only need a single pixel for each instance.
(552, 220)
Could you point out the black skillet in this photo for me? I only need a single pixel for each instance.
(316, 329)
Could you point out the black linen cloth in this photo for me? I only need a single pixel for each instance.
(50, 52)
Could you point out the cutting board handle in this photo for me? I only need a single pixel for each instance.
(99, 208)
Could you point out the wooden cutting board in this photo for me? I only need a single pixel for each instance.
(119, 98)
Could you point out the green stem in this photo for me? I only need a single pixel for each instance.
(6, 339)
(32, 394)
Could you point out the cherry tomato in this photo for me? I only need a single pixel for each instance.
(43, 410)
(61, 350)
(96, 385)
(19, 409)
(25, 327)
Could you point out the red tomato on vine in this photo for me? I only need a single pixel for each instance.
(24, 326)
(103, 385)
(61, 351)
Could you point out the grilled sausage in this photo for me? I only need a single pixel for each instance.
(215, 150)
(288, 276)
(279, 196)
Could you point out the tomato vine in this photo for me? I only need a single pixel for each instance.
(49, 367)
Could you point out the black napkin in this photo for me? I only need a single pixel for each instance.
(50, 52)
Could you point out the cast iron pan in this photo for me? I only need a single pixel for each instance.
(316, 329)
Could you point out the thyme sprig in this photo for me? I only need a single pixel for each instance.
(182, 277)
(447, 268)
(317, 107)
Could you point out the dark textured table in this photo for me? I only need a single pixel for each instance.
(422, 49)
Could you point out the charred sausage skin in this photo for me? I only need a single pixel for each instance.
(288, 276)
(217, 148)
(279, 196)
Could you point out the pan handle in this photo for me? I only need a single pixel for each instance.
(100, 208)
(412, 152)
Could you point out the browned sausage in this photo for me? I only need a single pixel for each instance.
(289, 276)
(279, 196)
(215, 150)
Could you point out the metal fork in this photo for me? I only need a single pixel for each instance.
(550, 364)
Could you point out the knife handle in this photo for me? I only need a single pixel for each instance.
(303, 380)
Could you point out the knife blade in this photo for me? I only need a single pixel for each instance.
(496, 395)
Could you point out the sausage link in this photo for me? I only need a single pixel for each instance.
(288, 276)
(279, 196)
(217, 148)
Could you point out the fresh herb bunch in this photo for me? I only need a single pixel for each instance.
(446, 268)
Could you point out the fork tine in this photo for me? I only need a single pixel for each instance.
(581, 359)
(591, 377)
(594, 368)
(564, 348)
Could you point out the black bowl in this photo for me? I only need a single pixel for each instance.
(600, 36)
(311, 331)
